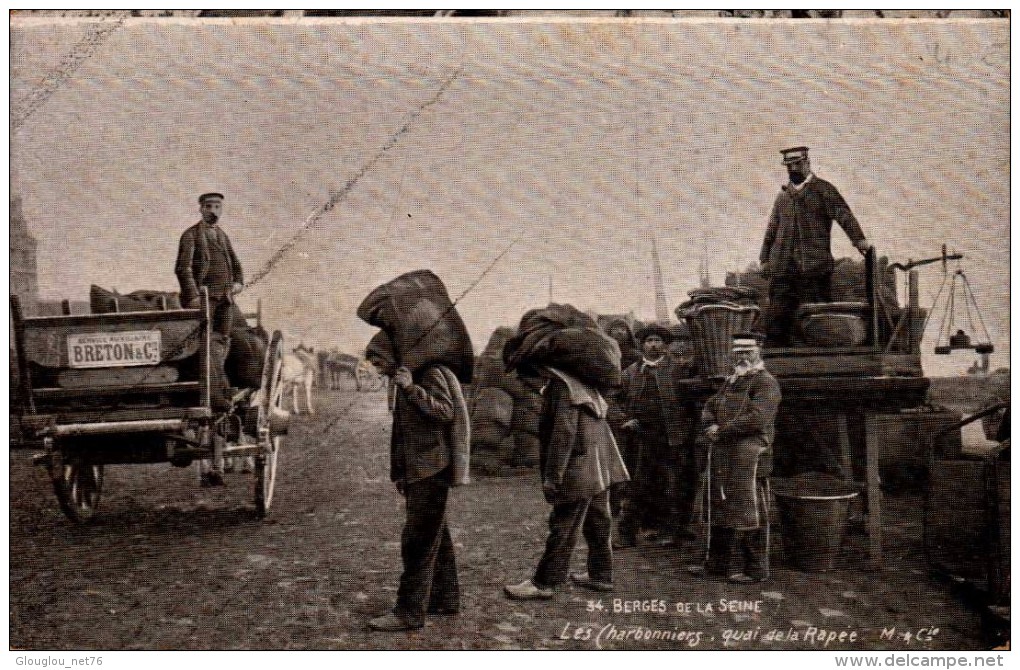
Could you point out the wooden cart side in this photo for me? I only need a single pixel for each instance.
(205, 364)
(44, 340)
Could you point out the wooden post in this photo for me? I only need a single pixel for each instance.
(204, 359)
(846, 462)
(913, 308)
(872, 435)
(65, 307)
(871, 287)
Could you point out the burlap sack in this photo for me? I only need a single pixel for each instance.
(102, 301)
(246, 356)
(563, 337)
(417, 313)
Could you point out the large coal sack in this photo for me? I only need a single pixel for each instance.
(421, 320)
(566, 338)
(246, 356)
(102, 301)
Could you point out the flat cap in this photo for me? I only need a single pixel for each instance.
(209, 196)
(794, 154)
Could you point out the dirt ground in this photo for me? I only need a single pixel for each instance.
(170, 565)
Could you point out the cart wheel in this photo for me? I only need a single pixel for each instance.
(78, 485)
(271, 401)
(265, 479)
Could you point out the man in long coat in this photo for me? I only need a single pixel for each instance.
(796, 254)
(662, 425)
(740, 423)
(579, 462)
(206, 258)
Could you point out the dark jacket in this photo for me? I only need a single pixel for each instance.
(579, 455)
(193, 261)
(422, 416)
(745, 407)
(798, 238)
(679, 412)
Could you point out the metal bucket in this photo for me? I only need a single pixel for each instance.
(813, 510)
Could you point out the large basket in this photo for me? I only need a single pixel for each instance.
(712, 330)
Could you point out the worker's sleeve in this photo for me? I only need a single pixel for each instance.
(235, 263)
(708, 416)
(770, 234)
(837, 210)
(183, 268)
(563, 433)
(432, 397)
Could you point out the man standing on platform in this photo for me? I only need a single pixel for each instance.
(796, 255)
(739, 421)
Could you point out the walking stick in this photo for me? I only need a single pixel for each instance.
(708, 504)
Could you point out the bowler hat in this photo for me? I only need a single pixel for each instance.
(654, 329)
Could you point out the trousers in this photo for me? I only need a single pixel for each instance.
(429, 580)
(661, 493)
(591, 517)
(786, 294)
(739, 551)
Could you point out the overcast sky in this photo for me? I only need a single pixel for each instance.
(577, 139)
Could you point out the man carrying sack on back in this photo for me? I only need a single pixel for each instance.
(431, 437)
(579, 457)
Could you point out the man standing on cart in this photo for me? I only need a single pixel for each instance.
(206, 258)
(796, 255)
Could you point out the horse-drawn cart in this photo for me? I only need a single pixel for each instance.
(134, 387)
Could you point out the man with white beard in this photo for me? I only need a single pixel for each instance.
(740, 424)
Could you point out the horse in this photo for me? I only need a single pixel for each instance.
(339, 365)
(364, 374)
(300, 369)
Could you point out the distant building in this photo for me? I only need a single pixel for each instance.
(23, 272)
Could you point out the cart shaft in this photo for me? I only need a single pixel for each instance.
(111, 427)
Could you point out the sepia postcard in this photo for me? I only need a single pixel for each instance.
(726, 307)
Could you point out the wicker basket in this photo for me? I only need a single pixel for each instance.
(712, 330)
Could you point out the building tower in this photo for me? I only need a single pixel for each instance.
(23, 273)
(705, 279)
(661, 307)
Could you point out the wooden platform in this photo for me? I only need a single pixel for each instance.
(853, 362)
